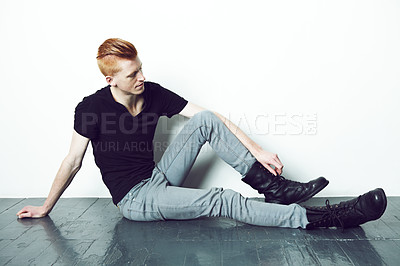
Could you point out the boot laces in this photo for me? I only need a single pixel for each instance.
(335, 212)
(281, 178)
(332, 214)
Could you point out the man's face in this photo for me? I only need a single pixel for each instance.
(130, 79)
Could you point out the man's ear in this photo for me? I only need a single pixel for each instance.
(110, 80)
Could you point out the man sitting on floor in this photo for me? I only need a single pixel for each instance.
(120, 121)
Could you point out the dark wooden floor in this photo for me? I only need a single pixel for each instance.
(90, 231)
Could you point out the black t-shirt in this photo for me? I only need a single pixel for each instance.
(122, 143)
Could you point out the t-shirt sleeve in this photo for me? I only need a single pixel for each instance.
(171, 102)
(86, 119)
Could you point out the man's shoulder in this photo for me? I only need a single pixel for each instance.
(152, 86)
(156, 90)
(99, 94)
(95, 99)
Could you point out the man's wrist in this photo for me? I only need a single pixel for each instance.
(256, 150)
(46, 208)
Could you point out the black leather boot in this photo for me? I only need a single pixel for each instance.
(277, 189)
(367, 207)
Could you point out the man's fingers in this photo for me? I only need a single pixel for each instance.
(21, 211)
(278, 168)
(279, 171)
(278, 164)
(25, 215)
(270, 169)
(277, 158)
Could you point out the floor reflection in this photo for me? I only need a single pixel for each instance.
(66, 251)
(196, 242)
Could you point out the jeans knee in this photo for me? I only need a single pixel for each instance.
(231, 203)
(230, 197)
(203, 116)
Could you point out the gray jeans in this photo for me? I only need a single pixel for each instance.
(161, 197)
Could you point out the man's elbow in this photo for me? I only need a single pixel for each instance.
(73, 162)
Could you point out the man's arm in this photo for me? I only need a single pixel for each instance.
(68, 169)
(264, 157)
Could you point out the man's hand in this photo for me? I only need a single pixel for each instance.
(68, 169)
(32, 212)
(268, 159)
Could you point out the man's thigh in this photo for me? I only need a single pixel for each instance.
(157, 200)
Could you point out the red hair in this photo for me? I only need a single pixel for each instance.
(110, 51)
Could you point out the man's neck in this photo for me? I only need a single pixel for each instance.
(132, 102)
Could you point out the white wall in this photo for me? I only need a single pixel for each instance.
(315, 81)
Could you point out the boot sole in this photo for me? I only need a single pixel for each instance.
(309, 196)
